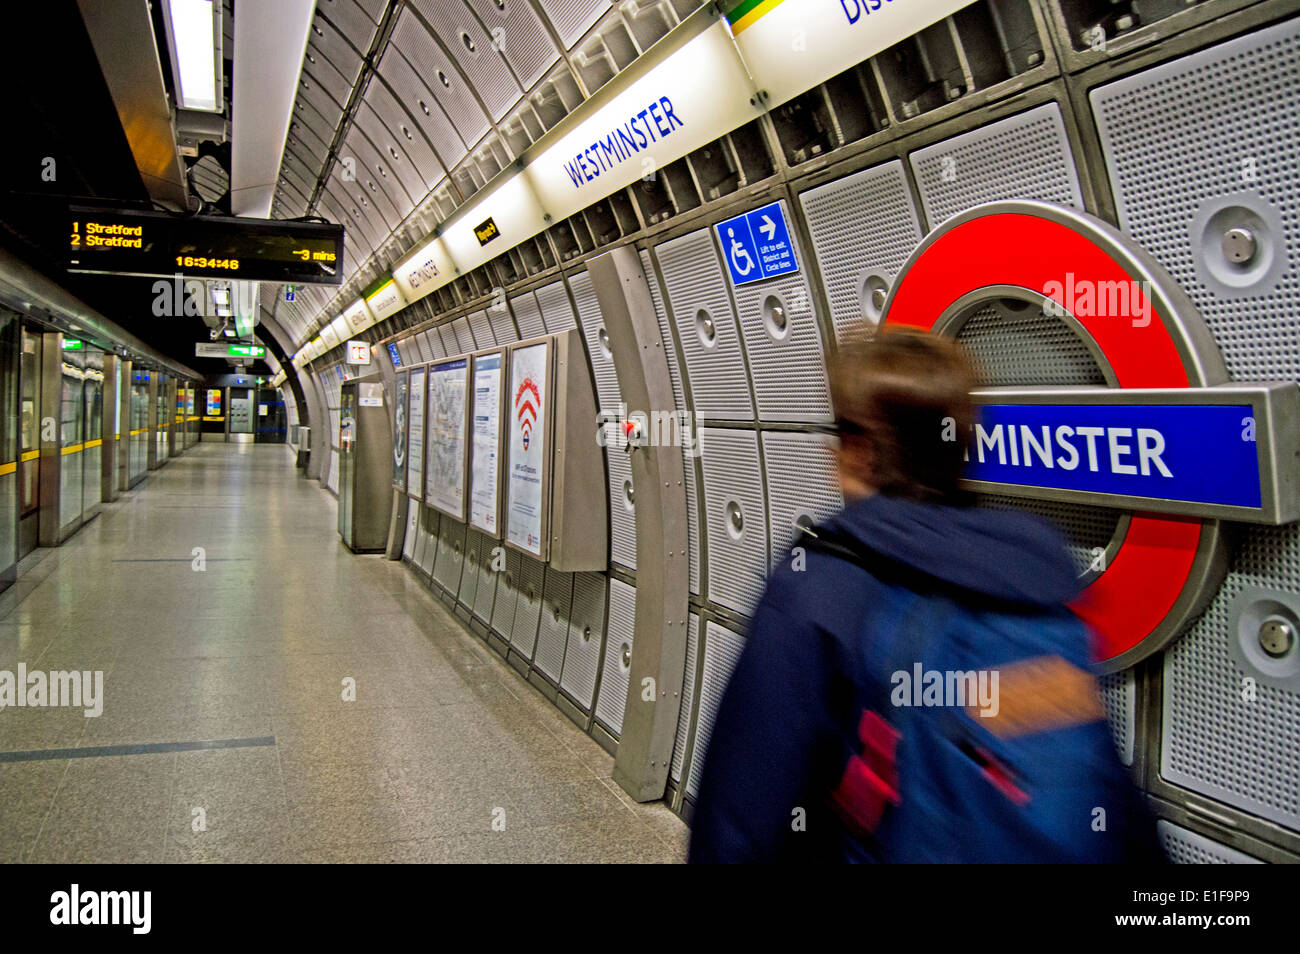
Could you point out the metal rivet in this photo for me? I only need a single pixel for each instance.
(1240, 245)
(1276, 636)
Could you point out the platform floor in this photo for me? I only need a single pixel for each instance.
(442, 739)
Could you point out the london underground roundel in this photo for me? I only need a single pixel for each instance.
(1126, 445)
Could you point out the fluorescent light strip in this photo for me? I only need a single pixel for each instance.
(194, 44)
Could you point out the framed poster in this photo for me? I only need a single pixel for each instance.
(415, 435)
(448, 408)
(485, 454)
(399, 432)
(528, 458)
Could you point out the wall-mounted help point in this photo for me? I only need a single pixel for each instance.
(1264, 636)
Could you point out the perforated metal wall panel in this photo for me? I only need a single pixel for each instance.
(1237, 750)
(469, 43)
(433, 526)
(863, 228)
(524, 40)
(1204, 143)
(722, 650)
(333, 481)
(586, 636)
(679, 394)
(485, 597)
(557, 612)
(572, 18)
(390, 198)
(784, 347)
(464, 337)
(451, 555)
(688, 699)
(503, 610)
(412, 532)
(557, 310)
(382, 110)
(1026, 156)
(593, 324)
(427, 61)
(357, 22)
(418, 558)
(404, 350)
(431, 342)
(447, 335)
(392, 147)
(618, 655)
(1020, 347)
(325, 39)
(706, 326)
(470, 568)
(1119, 694)
(622, 510)
(528, 316)
(406, 87)
(528, 606)
(1187, 847)
(503, 326)
(322, 75)
(801, 484)
(482, 329)
(737, 550)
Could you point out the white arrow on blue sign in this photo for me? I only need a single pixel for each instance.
(757, 245)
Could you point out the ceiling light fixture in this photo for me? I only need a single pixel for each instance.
(194, 43)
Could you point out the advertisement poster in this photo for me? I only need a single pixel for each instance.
(214, 402)
(526, 454)
(445, 480)
(485, 494)
(415, 435)
(399, 433)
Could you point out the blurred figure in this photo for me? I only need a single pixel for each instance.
(913, 687)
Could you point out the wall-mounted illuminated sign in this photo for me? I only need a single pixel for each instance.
(486, 231)
(395, 355)
(127, 242)
(357, 317)
(385, 300)
(218, 349)
(358, 352)
(72, 344)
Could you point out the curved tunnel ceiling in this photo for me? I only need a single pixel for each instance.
(406, 108)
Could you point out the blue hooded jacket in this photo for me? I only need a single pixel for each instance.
(787, 721)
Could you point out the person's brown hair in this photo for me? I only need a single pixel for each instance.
(903, 406)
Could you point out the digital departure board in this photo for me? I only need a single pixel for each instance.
(124, 242)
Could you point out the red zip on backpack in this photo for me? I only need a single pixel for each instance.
(870, 780)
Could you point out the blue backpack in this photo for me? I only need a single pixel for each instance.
(930, 779)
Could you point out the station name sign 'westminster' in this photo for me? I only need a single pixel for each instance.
(127, 242)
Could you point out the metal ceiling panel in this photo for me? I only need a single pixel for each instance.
(475, 51)
(341, 50)
(319, 99)
(523, 37)
(397, 160)
(378, 177)
(572, 18)
(382, 108)
(326, 74)
(405, 86)
(440, 75)
(307, 143)
(351, 15)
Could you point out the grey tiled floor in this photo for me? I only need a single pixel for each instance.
(442, 737)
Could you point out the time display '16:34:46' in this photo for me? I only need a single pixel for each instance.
(199, 261)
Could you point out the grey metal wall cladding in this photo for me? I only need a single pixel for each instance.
(376, 174)
(557, 310)
(617, 668)
(801, 484)
(433, 524)
(1022, 157)
(451, 555)
(706, 325)
(412, 524)
(404, 83)
(369, 203)
(1215, 742)
(295, 174)
(482, 329)
(1187, 847)
(357, 22)
(679, 395)
(572, 18)
(586, 636)
(503, 610)
(346, 206)
(522, 37)
(485, 67)
(404, 351)
(1024, 347)
(382, 108)
(393, 154)
(735, 518)
(1119, 694)
(315, 95)
(528, 607)
(593, 324)
(470, 567)
(432, 343)
(1201, 144)
(688, 700)
(464, 337)
(304, 146)
(422, 544)
(326, 75)
(786, 358)
(863, 228)
(528, 316)
(331, 42)
(487, 579)
(450, 345)
(557, 611)
(622, 515)
(439, 75)
(503, 326)
(722, 650)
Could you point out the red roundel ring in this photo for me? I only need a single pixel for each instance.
(1161, 572)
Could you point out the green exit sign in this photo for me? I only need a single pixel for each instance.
(247, 351)
(72, 344)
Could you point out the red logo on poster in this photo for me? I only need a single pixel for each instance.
(527, 400)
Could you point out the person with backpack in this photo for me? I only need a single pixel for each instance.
(913, 687)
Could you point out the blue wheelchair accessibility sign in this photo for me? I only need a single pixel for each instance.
(757, 245)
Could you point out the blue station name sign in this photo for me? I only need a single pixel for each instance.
(1230, 452)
